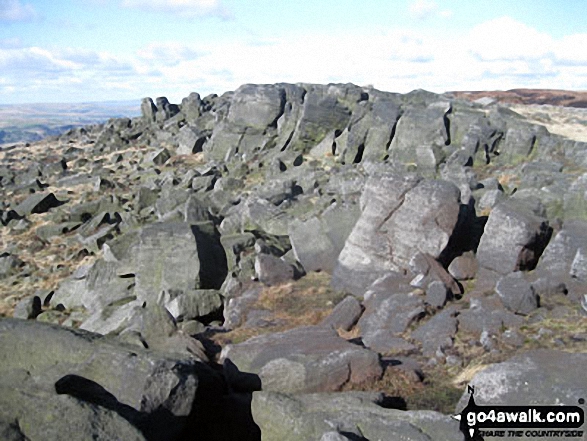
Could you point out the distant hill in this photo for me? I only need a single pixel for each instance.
(32, 122)
(565, 98)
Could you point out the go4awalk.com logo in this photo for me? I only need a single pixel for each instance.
(562, 422)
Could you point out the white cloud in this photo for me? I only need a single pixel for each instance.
(14, 10)
(507, 39)
(185, 8)
(398, 61)
(424, 9)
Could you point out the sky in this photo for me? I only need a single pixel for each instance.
(102, 50)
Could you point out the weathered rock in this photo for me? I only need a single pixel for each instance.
(464, 267)
(272, 270)
(517, 294)
(28, 308)
(486, 314)
(306, 359)
(9, 264)
(195, 304)
(421, 137)
(344, 315)
(256, 107)
(144, 381)
(148, 109)
(538, 377)
(436, 294)
(318, 241)
(514, 238)
(102, 286)
(37, 203)
(190, 141)
(401, 217)
(437, 333)
(389, 314)
(28, 412)
(357, 415)
(167, 259)
(559, 254)
(579, 265)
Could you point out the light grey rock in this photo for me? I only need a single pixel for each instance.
(559, 254)
(400, 218)
(195, 304)
(421, 137)
(190, 141)
(464, 267)
(437, 333)
(9, 265)
(318, 241)
(390, 312)
(148, 110)
(102, 286)
(143, 380)
(167, 260)
(537, 377)
(514, 238)
(306, 359)
(486, 314)
(575, 196)
(28, 308)
(436, 294)
(37, 203)
(256, 107)
(28, 412)
(344, 315)
(579, 265)
(272, 270)
(307, 417)
(517, 294)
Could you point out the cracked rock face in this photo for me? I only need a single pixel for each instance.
(402, 216)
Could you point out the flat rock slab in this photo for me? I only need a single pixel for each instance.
(307, 359)
(356, 415)
(538, 377)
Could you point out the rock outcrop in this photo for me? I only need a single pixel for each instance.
(288, 261)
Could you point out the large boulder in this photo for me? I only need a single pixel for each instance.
(351, 415)
(177, 257)
(401, 216)
(514, 238)
(149, 383)
(538, 377)
(28, 412)
(256, 107)
(307, 359)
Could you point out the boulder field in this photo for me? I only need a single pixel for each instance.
(290, 262)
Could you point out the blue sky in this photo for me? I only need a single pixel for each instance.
(97, 50)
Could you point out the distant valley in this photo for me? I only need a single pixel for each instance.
(32, 122)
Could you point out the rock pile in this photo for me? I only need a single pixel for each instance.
(446, 228)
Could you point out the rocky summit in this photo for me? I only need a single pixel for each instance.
(291, 262)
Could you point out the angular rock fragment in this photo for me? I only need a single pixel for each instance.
(517, 294)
